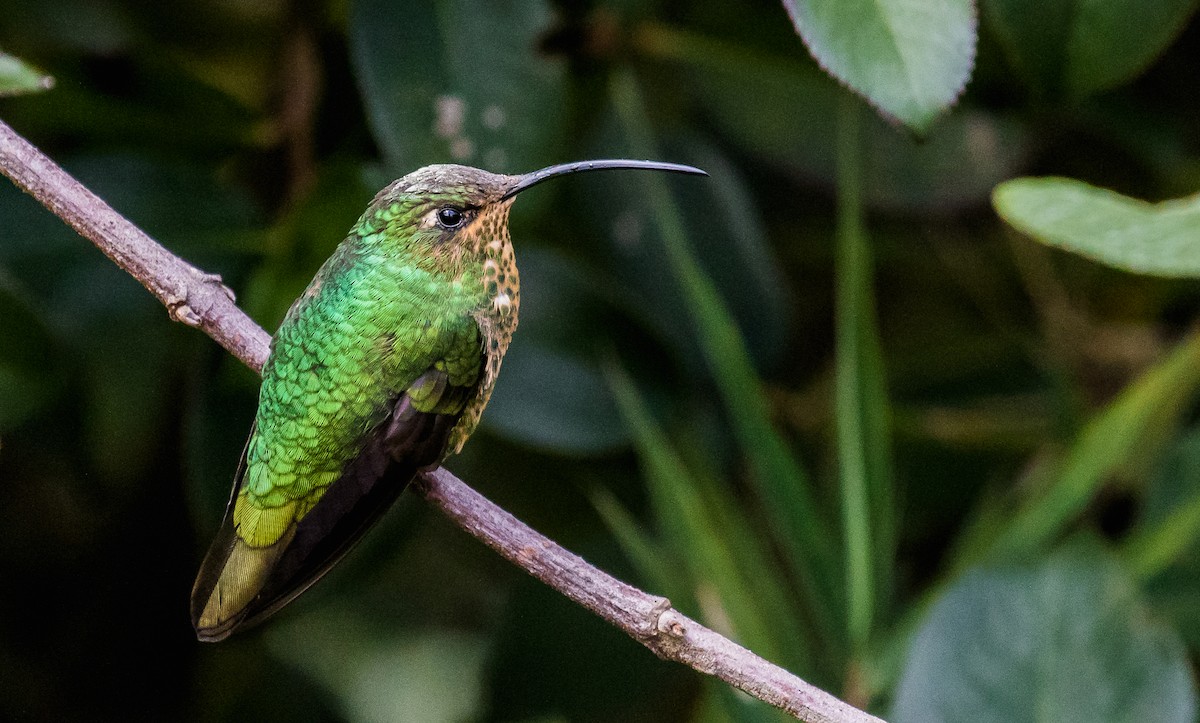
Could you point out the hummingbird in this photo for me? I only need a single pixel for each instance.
(380, 370)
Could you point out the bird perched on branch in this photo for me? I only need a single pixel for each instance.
(379, 370)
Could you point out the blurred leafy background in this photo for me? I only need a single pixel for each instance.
(837, 401)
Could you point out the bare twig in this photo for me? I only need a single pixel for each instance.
(200, 300)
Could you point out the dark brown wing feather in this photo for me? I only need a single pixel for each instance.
(405, 443)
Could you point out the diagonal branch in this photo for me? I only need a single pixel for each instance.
(199, 299)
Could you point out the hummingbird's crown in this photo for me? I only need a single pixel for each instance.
(449, 178)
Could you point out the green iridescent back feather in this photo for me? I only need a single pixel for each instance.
(384, 309)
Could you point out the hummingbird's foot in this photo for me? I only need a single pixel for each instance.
(184, 314)
(216, 279)
(181, 304)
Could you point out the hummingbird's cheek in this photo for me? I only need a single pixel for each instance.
(428, 222)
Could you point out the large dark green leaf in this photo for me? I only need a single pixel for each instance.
(554, 401)
(459, 81)
(1065, 640)
(1082, 47)
(723, 225)
(120, 334)
(1162, 239)
(911, 60)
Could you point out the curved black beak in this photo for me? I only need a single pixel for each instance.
(527, 180)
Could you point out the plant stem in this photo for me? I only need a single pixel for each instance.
(861, 396)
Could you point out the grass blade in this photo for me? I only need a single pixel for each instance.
(1143, 416)
(861, 407)
(656, 564)
(685, 519)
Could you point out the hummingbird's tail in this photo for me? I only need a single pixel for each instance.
(231, 576)
(239, 585)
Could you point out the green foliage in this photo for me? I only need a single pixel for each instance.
(1162, 239)
(826, 400)
(27, 370)
(17, 78)
(782, 482)
(1131, 428)
(467, 75)
(1170, 523)
(1067, 639)
(436, 677)
(861, 406)
(952, 166)
(578, 417)
(1077, 48)
(910, 60)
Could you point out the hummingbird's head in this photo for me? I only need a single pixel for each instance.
(450, 219)
(460, 207)
(445, 200)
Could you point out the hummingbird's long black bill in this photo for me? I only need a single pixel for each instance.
(532, 179)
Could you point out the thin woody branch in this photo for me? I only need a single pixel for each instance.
(199, 299)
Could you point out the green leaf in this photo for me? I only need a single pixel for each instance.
(1161, 239)
(727, 589)
(670, 576)
(459, 81)
(726, 226)
(19, 78)
(654, 562)
(1134, 424)
(1034, 35)
(1163, 550)
(1081, 47)
(1170, 525)
(911, 60)
(1065, 640)
(554, 401)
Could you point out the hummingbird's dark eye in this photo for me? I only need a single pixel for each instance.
(449, 217)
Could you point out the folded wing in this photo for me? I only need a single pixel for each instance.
(240, 584)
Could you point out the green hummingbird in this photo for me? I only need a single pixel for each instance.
(379, 370)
